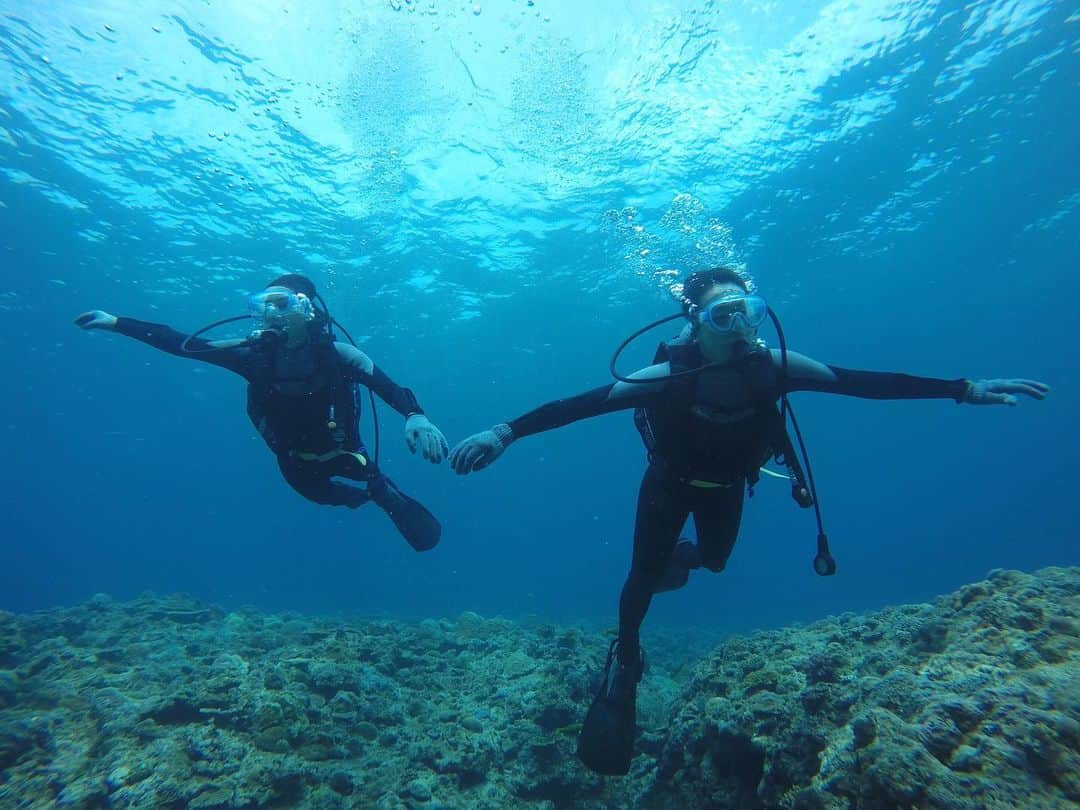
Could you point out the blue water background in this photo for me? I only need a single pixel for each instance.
(490, 201)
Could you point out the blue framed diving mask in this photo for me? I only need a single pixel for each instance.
(731, 313)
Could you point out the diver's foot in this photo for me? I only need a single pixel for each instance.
(383, 492)
(416, 524)
(606, 740)
(621, 680)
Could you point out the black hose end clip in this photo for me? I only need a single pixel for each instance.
(824, 564)
(801, 494)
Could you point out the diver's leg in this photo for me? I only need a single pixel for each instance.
(661, 512)
(314, 481)
(717, 515)
(353, 466)
(416, 524)
(606, 740)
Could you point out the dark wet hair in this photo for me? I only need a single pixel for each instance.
(697, 284)
(297, 283)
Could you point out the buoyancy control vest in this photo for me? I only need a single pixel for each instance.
(315, 412)
(722, 425)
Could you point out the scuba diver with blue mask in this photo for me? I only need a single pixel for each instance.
(712, 410)
(302, 398)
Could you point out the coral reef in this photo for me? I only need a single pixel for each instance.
(171, 703)
(971, 701)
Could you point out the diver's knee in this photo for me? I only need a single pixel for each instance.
(717, 560)
(646, 575)
(349, 497)
(672, 580)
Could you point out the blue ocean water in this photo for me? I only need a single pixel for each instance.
(491, 196)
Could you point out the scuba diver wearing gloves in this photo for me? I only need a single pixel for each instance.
(302, 398)
(712, 409)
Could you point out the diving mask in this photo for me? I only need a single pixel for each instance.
(276, 305)
(732, 313)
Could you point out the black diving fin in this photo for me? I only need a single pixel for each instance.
(417, 525)
(606, 742)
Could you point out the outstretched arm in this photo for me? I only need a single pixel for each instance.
(806, 374)
(362, 369)
(605, 399)
(231, 354)
(481, 449)
(419, 431)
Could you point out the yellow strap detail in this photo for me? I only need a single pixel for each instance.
(774, 474)
(697, 482)
(330, 456)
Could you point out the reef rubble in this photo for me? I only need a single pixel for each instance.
(971, 701)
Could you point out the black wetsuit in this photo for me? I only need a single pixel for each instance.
(290, 397)
(713, 430)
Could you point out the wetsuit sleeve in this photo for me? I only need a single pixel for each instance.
(605, 399)
(360, 368)
(233, 355)
(805, 374)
